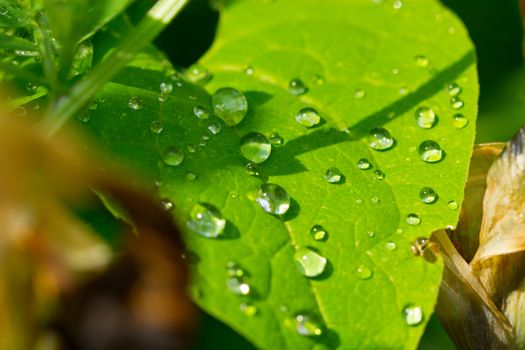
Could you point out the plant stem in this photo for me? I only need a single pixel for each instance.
(156, 19)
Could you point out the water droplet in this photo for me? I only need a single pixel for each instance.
(166, 204)
(173, 156)
(333, 175)
(93, 105)
(249, 70)
(363, 272)
(297, 87)
(310, 263)
(238, 286)
(156, 127)
(358, 201)
(197, 74)
(359, 93)
(255, 147)
(395, 71)
(308, 325)
(230, 105)
(427, 195)
(363, 164)
(3, 10)
(276, 139)
(425, 117)
(371, 234)
(397, 5)
(419, 246)
(135, 103)
(413, 315)
(191, 176)
(206, 135)
(430, 151)
(380, 139)
(319, 79)
(166, 88)
(84, 116)
(206, 220)
(390, 245)
(413, 219)
(403, 90)
(308, 117)
(318, 233)
(251, 169)
(399, 231)
(191, 148)
(453, 205)
(422, 61)
(460, 121)
(273, 199)
(453, 89)
(214, 128)
(379, 175)
(375, 200)
(456, 102)
(248, 309)
(201, 112)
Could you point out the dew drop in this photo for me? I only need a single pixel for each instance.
(422, 61)
(84, 117)
(156, 127)
(248, 309)
(276, 139)
(363, 272)
(453, 89)
(359, 93)
(460, 121)
(234, 270)
(430, 151)
(173, 156)
(427, 195)
(308, 117)
(403, 90)
(238, 286)
(425, 117)
(273, 199)
(255, 147)
(191, 148)
(412, 314)
(3, 10)
(310, 263)
(363, 164)
(135, 103)
(201, 112)
(397, 5)
(249, 70)
(333, 175)
(308, 325)
(166, 88)
(375, 200)
(319, 79)
(93, 105)
(297, 87)
(197, 74)
(251, 169)
(230, 105)
(456, 102)
(214, 128)
(413, 219)
(390, 245)
(380, 139)
(206, 135)
(371, 234)
(206, 220)
(191, 176)
(166, 204)
(453, 205)
(318, 233)
(379, 175)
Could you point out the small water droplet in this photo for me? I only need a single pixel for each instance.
(230, 105)
(156, 127)
(453, 205)
(358, 201)
(395, 71)
(135, 103)
(363, 164)
(380, 139)
(359, 93)
(248, 309)
(319, 79)
(397, 5)
(173, 156)
(214, 128)
(413, 219)
(371, 234)
(427, 195)
(84, 116)
(460, 121)
(419, 246)
(453, 89)
(390, 245)
(308, 325)
(310, 263)
(238, 286)
(191, 176)
(333, 175)
(425, 117)
(399, 231)
(276, 139)
(206, 220)
(191, 148)
(197, 74)
(318, 233)
(422, 61)
(379, 175)
(363, 272)
(201, 112)
(166, 88)
(308, 117)
(412, 314)
(166, 204)
(430, 151)
(273, 199)
(93, 105)
(255, 147)
(403, 90)
(456, 102)
(297, 87)
(251, 169)
(249, 70)
(3, 10)
(375, 200)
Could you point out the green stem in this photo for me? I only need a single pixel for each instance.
(81, 93)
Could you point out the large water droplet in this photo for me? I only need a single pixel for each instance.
(297, 87)
(173, 156)
(308, 325)
(206, 220)
(135, 103)
(363, 164)
(430, 151)
(273, 199)
(412, 314)
(308, 117)
(460, 121)
(156, 127)
(427, 195)
(413, 219)
(318, 233)
(255, 147)
(248, 309)
(310, 263)
(425, 117)
(201, 112)
(333, 175)
(230, 105)
(363, 272)
(380, 139)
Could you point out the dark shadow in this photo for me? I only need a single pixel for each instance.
(191, 257)
(292, 212)
(256, 98)
(149, 79)
(230, 231)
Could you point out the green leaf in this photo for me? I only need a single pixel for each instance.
(11, 15)
(336, 48)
